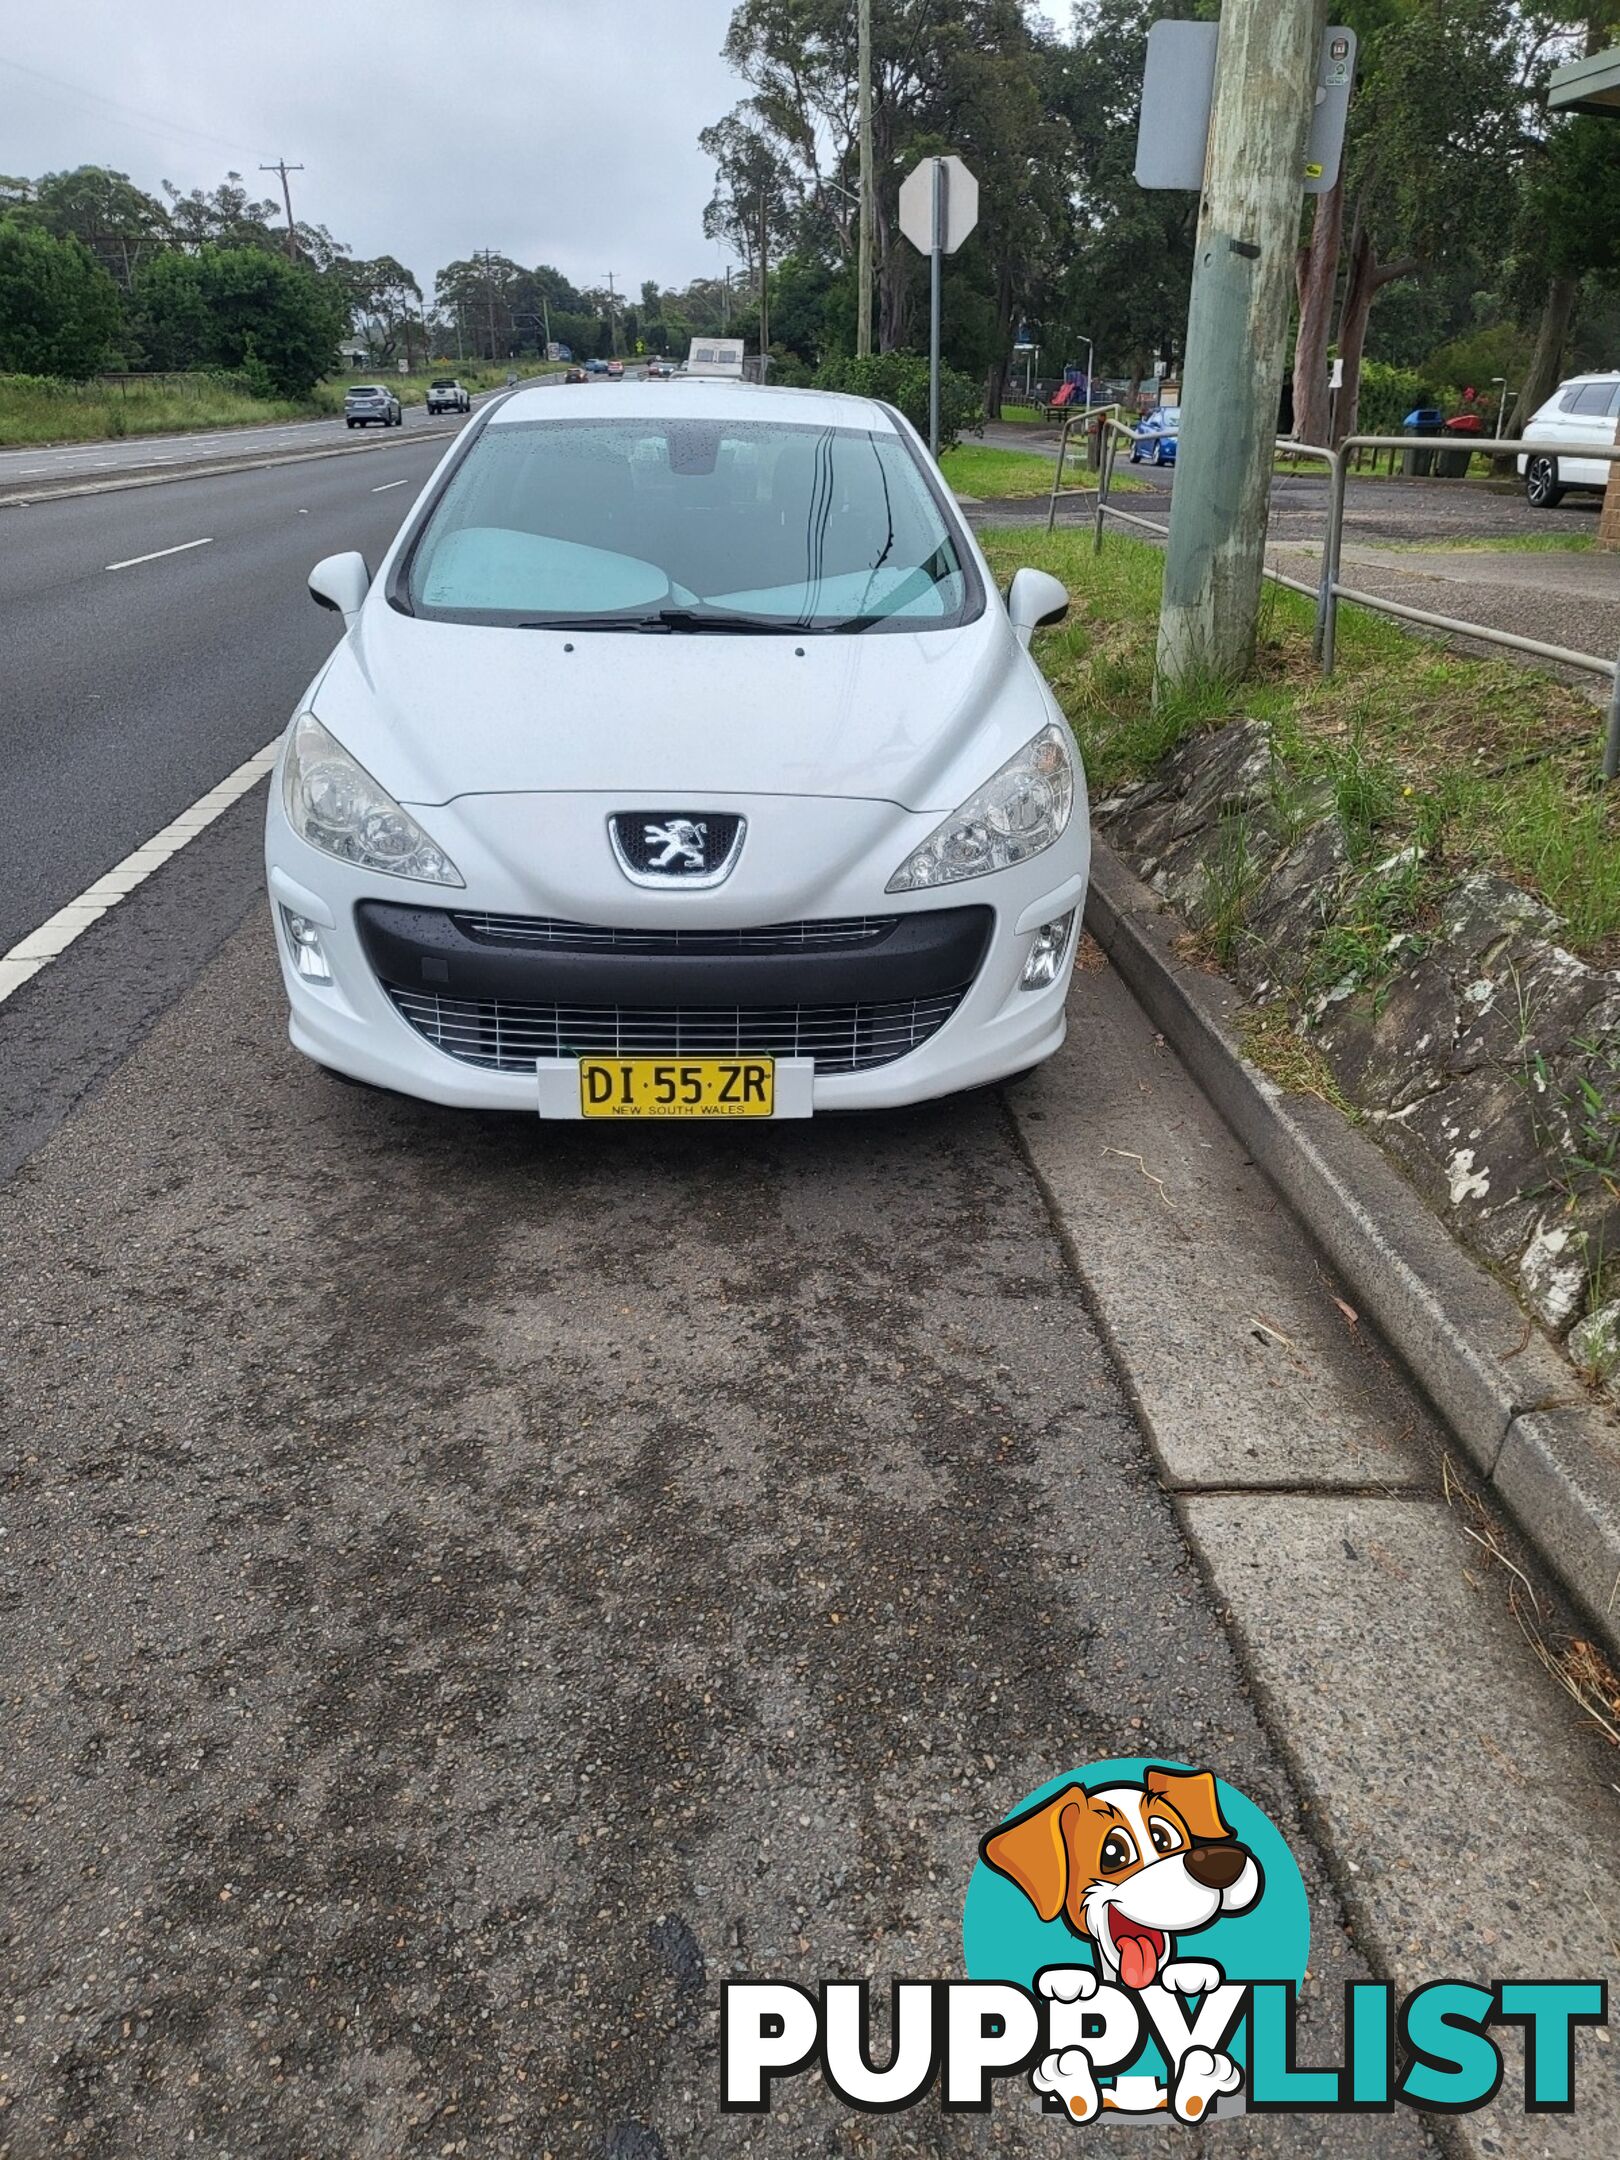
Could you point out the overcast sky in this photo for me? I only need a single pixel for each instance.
(561, 131)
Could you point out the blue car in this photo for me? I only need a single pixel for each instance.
(1155, 439)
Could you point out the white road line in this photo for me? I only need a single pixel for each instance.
(157, 554)
(387, 484)
(58, 931)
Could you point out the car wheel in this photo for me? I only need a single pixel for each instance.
(1158, 453)
(1541, 488)
(348, 423)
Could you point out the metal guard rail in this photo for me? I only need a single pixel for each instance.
(1071, 420)
(1330, 588)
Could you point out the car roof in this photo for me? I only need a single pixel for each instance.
(713, 398)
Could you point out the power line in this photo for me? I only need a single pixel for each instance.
(143, 123)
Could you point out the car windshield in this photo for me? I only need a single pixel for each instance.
(674, 522)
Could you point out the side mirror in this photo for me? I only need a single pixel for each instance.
(1034, 600)
(340, 582)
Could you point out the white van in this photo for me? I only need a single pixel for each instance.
(1582, 410)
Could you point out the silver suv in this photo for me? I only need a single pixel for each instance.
(371, 402)
(447, 395)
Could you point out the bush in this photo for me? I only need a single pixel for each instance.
(901, 379)
(1388, 394)
(245, 309)
(58, 307)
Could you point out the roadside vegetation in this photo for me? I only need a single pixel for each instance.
(35, 409)
(995, 475)
(1437, 765)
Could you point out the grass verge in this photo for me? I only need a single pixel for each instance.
(992, 475)
(35, 410)
(1480, 764)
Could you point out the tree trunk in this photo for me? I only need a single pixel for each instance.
(995, 381)
(1366, 281)
(1318, 275)
(1541, 377)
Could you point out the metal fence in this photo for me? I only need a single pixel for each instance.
(1101, 414)
(1330, 588)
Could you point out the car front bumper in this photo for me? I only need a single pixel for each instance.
(417, 1004)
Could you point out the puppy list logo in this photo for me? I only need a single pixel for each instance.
(1122, 1897)
(1135, 1935)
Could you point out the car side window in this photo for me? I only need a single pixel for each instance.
(1595, 398)
(1569, 400)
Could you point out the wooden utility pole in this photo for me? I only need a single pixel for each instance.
(486, 258)
(863, 303)
(281, 166)
(764, 289)
(1243, 280)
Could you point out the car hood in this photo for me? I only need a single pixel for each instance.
(438, 710)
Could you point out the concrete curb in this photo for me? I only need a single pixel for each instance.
(203, 470)
(1547, 1453)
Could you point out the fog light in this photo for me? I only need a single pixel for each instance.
(304, 943)
(1045, 961)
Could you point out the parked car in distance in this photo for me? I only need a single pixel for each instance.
(593, 366)
(1582, 410)
(659, 371)
(873, 900)
(576, 374)
(445, 394)
(615, 370)
(370, 402)
(1155, 439)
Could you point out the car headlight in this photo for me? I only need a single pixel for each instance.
(1019, 810)
(332, 802)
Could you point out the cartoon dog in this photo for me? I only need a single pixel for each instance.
(1129, 1869)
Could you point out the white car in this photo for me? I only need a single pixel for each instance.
(1582, 410)
(680, 760)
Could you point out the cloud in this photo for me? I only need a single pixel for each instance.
(561, 131)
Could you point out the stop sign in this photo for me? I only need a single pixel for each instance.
(961, 205)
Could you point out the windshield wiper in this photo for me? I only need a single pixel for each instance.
(673, 621)
(594, 622)
(693, 620)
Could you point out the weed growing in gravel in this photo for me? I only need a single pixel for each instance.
(1273, 1044)
(1577, 1119)
(1230, 878)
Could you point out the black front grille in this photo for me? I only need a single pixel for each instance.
(509, 1037)
(833, 935)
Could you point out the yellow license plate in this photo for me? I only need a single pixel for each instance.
(676, 1087)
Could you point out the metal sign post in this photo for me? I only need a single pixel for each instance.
(939, 207)
(936, 262)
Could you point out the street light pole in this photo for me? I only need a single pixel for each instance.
(863, 301)
(1501, 404)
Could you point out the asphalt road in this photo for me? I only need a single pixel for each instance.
(472, 1588)
(130, 692)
